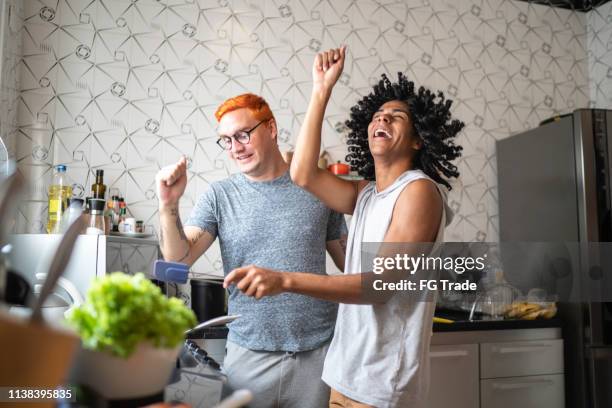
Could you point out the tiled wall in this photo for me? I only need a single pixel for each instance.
(129, 86)
(599, 37)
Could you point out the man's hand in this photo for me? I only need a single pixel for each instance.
(171, 182)
(326, 70)
(256, 281)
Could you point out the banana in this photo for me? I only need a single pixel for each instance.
(531, 315)
(519, 309)
(549, 312)
(530, 311)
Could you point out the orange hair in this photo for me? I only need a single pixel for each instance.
(257, 105)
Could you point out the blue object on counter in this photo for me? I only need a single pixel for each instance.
(171, 271)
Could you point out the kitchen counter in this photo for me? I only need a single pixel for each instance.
(461, 322)
(458, 325)
(466, 325)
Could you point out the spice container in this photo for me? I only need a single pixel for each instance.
(97, 226)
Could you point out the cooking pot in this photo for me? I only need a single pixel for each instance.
(56, 306)
(207, 299)
(339, 168)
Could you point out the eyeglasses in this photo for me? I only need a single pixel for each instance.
(241, 136)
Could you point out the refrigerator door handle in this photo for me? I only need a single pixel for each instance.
(600, 352)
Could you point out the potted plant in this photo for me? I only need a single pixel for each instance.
(131, 335)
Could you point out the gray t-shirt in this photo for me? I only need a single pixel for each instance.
(277, 225)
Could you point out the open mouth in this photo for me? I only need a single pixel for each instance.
(382, 133)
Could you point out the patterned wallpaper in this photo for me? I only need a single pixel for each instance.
(10, 46)
(130, 85)
(599, 37)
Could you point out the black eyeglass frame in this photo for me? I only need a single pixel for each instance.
(236, 136)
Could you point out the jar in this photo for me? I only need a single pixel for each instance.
(96, 220)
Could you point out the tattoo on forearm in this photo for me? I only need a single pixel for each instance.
(179, 225)
(184, 256)
(197, 237)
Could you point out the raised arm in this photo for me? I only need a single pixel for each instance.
(336, 193)
(177, 243)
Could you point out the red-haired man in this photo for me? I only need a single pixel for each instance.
(277, 348)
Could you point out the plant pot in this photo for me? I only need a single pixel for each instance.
(34, 355)
(146, 372)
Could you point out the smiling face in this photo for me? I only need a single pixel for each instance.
(391, 133)
(251, 157)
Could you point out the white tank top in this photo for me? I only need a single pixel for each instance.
(379, 353)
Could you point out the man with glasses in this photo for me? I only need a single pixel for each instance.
(278, 345)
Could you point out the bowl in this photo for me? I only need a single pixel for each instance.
(146, 372)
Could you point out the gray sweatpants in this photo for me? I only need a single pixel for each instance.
(278, 379)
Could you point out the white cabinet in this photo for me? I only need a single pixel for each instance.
(522, 374)
(497, 369)
(522, 358)
(538, 391)
(454, 374)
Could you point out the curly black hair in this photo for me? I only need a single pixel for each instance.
(431, 119)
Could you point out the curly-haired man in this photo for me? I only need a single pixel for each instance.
(401, 142)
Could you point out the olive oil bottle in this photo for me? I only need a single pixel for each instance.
(60, 192)
(98, 190)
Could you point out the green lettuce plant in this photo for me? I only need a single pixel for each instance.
(121, 311)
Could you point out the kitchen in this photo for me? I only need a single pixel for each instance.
(129, 87)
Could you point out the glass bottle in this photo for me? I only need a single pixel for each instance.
(60, 192)
(122, 209)
(122, 215)
(87, 205)
(98, 190)
(109, 214)
(74, 211)
(96, 217)
(116, 212)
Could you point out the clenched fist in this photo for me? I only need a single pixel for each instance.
(327, 67)
(171, 182)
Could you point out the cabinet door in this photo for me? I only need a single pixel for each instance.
(541, 391)
(521, 358)
(454, 376)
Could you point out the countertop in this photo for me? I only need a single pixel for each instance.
(462, 323)
(466, 325)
